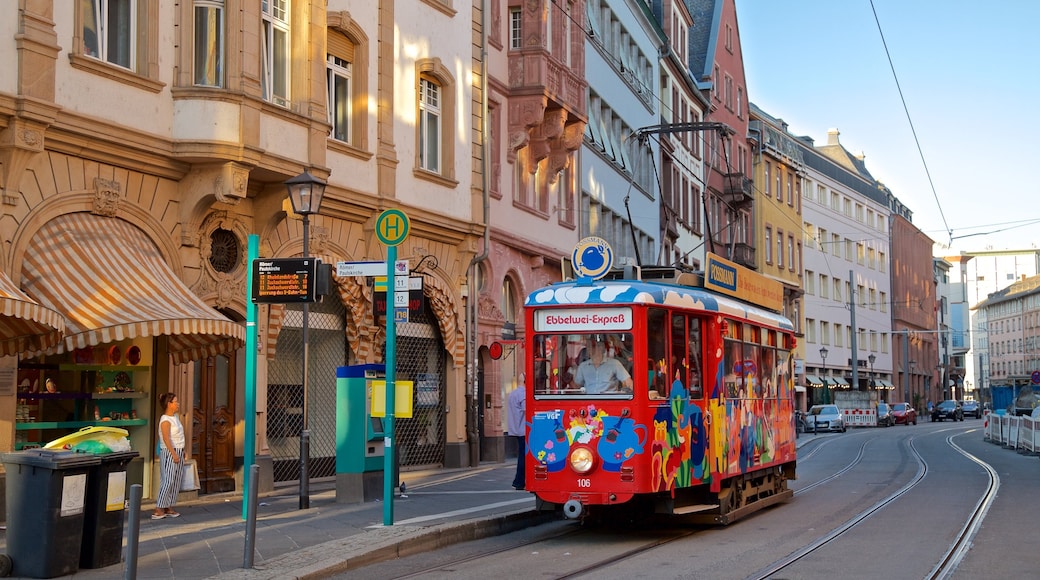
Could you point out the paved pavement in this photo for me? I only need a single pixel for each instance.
(438, 508)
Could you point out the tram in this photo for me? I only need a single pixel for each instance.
(659, 392)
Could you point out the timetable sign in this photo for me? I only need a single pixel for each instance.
(284, 280)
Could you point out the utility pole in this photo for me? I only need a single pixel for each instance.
(855, 331)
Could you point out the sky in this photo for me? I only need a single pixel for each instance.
(968, 74)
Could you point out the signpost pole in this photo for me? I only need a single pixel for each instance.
(391, 391)
(391, 228)
(249, 451)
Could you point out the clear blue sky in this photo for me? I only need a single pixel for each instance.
(969, 76)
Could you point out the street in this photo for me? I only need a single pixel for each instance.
(901, 502)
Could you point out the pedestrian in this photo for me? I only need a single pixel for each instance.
(517, 405)
(171, 457)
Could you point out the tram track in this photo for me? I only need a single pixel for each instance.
(950, 558)
(566, 563)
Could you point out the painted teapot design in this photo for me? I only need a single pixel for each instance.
(548, 441)
(622, 440)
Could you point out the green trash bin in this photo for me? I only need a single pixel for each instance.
(46, 500)
(105, 510)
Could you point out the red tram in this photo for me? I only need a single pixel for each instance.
(668, 394)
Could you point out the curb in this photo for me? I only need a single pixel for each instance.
(386, 543)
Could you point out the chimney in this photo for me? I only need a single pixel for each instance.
(832, 137)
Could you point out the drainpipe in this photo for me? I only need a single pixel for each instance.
(472, 435)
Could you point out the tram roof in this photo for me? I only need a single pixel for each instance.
(614, 292)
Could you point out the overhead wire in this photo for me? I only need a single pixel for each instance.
(909, 119)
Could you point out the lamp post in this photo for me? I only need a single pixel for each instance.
(910, 385)
(305, 194)
(871, 358)
(826, 387)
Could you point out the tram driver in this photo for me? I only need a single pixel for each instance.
(600, 373)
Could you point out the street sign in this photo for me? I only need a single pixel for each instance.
(360, 269)
(284, 280)
(392, 227)
(1035, 377)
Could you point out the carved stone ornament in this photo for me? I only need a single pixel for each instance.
(106, 197)
(487, 308)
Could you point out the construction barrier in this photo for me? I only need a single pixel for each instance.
(1018, 433)
(860, 417)
(1029, 435)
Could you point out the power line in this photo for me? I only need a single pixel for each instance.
(909, 120)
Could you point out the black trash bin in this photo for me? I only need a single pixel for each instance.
(46, 500)
(105, 510)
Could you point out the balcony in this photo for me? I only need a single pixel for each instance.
(736, 188)
(743, 254)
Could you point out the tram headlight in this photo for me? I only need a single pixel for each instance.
(581, 460)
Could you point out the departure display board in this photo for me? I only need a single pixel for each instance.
(284, 280)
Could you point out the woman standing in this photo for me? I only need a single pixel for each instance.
(171, 457)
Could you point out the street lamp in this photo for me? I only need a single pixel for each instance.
(305, 194)
(826, 388)
(871, 358)
(910, 385)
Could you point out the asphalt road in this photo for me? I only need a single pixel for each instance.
(883, 502)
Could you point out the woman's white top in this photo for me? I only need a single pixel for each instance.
(176, 431)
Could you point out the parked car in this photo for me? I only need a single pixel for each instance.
(971, 408)
(948, 409)
(824, 418)
(904, 414)
(884, 415)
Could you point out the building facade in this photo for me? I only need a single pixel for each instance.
(537, 116)
(848, 295)
(217, 104)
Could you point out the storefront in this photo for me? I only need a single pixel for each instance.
(130, 328)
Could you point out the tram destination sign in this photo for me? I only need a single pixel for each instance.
(284, 280)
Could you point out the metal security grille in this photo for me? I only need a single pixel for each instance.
(421, 359)
(328, 350)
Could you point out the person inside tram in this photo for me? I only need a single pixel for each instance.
(600, 373)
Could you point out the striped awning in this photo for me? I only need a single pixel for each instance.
(839, 381)
(25, 326)
(111, 283)
(813, 380)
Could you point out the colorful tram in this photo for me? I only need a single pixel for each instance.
(688, 411)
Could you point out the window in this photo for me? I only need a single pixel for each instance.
(769, 245)
(110, 31)
(435, 106)
(429, 125)
(837, 289)
(339, 103)
(825, 291)
(345, 71)
(810, 282)
(790, 188)
(515, 30)
(769, 170)
(779, 249)
(274, 52)
(209, 43)
(790, 252)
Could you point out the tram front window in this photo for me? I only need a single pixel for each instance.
(582, 365)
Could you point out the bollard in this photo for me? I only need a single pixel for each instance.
(133, 532)
(247, 560)
(305, 478)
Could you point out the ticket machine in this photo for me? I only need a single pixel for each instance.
(359, 436)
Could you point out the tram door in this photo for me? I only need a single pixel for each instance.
(213, 433)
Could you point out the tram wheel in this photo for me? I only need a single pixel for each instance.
(6, 566)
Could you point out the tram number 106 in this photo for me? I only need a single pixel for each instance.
(585, 482)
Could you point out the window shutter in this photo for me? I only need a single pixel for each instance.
(341, 47)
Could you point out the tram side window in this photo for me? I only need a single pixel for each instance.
(656, 338)
(694, 347)
(770, 372)
(734, 379)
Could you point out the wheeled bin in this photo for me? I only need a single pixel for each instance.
(105, 510)
(46, 500)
